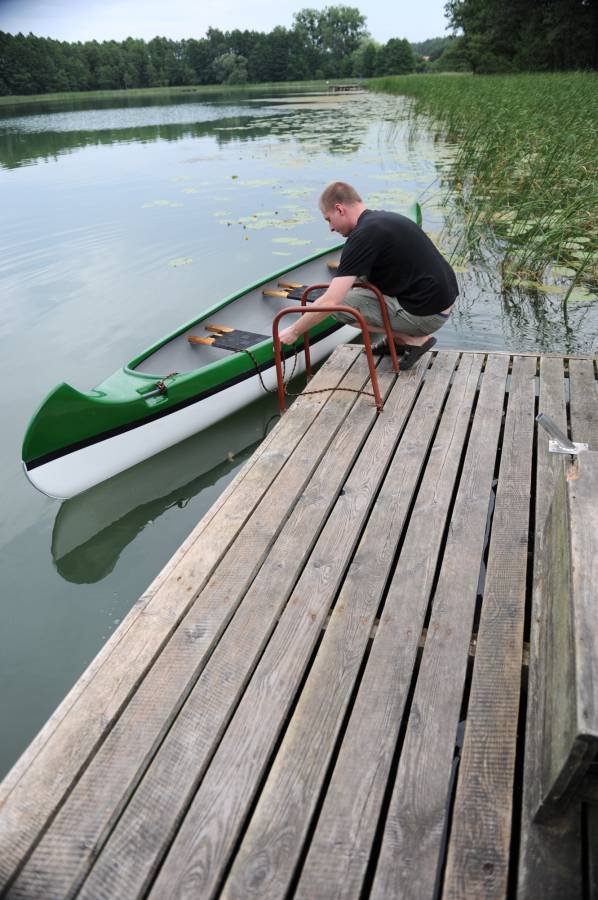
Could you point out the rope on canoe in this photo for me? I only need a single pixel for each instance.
(259, 374)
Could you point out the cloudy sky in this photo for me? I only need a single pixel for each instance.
(81, 20)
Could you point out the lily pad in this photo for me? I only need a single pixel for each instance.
(256, 182)
(563, 272)
(582, 295)
(180, 261)
(293, 241)
(538, 286)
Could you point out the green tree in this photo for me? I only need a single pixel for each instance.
(230, 68)
(398, 57)
(366, 59)
(520, 35)
(199, 56)
(326, 37)
(452, 58)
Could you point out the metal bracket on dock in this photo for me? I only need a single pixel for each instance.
(560, 443)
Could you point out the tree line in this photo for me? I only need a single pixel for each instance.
(322, 44)
(524, 35)
(490, 36)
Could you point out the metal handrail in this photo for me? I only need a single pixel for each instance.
(305, 311)
(385, 319)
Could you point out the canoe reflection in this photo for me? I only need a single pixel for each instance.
(91, 530)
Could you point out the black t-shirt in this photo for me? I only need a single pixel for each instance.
(392, 252)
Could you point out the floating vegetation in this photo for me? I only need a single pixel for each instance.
(258, 221)
(393, 197)
(298, 191)
(255, 182)
(181, 261)
(160, 203)
(293, 241)
(391, 176)
(521, 163)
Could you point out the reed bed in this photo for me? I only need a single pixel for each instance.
(522, 168)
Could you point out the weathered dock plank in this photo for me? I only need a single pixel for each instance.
(168, 786)
(319, 696)
(478, 857)
(354, 797)
(570, 739)
(271, 847)
(89, 812)
(418, 809)
(207, 836)
(550, 860)
(106, 690)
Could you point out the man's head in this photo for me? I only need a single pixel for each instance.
(341, 207)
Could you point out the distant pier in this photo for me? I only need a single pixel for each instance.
(345, 88)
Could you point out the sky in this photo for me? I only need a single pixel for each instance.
(82, 20)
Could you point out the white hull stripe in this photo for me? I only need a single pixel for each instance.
(77, 471)
(177, 407)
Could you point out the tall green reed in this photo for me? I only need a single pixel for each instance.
(523, 171)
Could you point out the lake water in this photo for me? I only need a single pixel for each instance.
(120, 221)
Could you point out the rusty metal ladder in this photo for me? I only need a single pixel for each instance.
(349, 310)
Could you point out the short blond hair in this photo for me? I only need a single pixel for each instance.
(338, 192)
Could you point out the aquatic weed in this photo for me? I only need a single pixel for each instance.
(522, 164)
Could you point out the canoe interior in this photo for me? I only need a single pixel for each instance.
(250, 312)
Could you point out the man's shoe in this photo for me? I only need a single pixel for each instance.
(381, 348)
(413, 352)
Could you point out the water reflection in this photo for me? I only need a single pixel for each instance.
(124, 100)
(45, 133)
(91, 530)
(18, 148)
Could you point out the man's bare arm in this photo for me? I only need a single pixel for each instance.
(334, 296)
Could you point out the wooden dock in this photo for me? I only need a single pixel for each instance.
(353, 88)
(334, 688)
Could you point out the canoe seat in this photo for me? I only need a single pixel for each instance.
(287, 293)
(235, 340)
(297, 293)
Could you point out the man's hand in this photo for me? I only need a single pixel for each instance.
(289, 335)
(334, 296)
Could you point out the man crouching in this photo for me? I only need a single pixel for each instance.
(393, 253)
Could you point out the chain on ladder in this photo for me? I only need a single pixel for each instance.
(291, 376)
